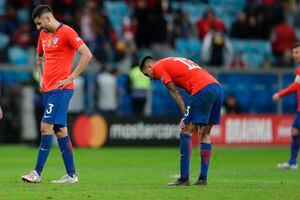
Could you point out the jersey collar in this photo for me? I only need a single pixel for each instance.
(60, 25)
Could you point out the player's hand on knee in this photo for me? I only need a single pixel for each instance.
(181, 124)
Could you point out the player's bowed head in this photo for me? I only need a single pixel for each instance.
(44, 19)
(146, 65)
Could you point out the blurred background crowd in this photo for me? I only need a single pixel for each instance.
(246, 44)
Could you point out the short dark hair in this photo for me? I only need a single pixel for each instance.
(296, 45)
(143, 61)
(40, 10)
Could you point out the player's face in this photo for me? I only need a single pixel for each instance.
(296, 54)
(147, 71)
(42, 23)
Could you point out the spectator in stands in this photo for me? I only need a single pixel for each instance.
(8, 21)
(181, 26)
(151, 26)
(254, 30)
(106, 38)
(129, 28)
(266, 64)
(65, 10)
(140, 86)
(288, 59)
(96, 27)
(22, 35)
(283, 39)
(231, 105)
(261, 16)
(216, 49)
(207, 22)
(107, 98)
(237, 62)
(239, 28)
(85, 18)
(296, 18)
(289, 9)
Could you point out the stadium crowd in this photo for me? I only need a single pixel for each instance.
(243, 34)
(116, 30)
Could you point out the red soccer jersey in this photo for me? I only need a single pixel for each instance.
(184, 73)
(58, 50)
(295, 86)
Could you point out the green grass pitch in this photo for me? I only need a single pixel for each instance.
(142, 173)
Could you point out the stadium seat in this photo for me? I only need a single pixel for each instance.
(189, 48)
(20, 58)
(4, 40)
(231, 7)
(254, 51)
(254, 60)
(116, 11)
(23, 15)
(194, 10)
(18, 55)
(260, 46)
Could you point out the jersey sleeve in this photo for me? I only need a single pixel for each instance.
(73, 39)
(292, 87)
(162, 74)
(39, 48)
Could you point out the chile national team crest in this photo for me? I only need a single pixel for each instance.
(55, 40)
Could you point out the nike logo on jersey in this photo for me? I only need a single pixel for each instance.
(47, 116)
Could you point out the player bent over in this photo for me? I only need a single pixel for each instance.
(201, 113)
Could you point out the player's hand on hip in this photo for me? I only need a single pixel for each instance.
(63, 83)
(1, 113)
(275, 97)
(41, 83)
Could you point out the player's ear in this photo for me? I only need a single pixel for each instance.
(47, 18)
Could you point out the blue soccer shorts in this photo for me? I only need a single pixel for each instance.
(56, 104)
(205, 106)
(296, 123)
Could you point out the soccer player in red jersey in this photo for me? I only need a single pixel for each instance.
(295, 133)
(200, 114)
(57, 45)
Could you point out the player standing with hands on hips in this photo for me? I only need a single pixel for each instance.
(295, 133)
(56, 48)
(201, 113)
